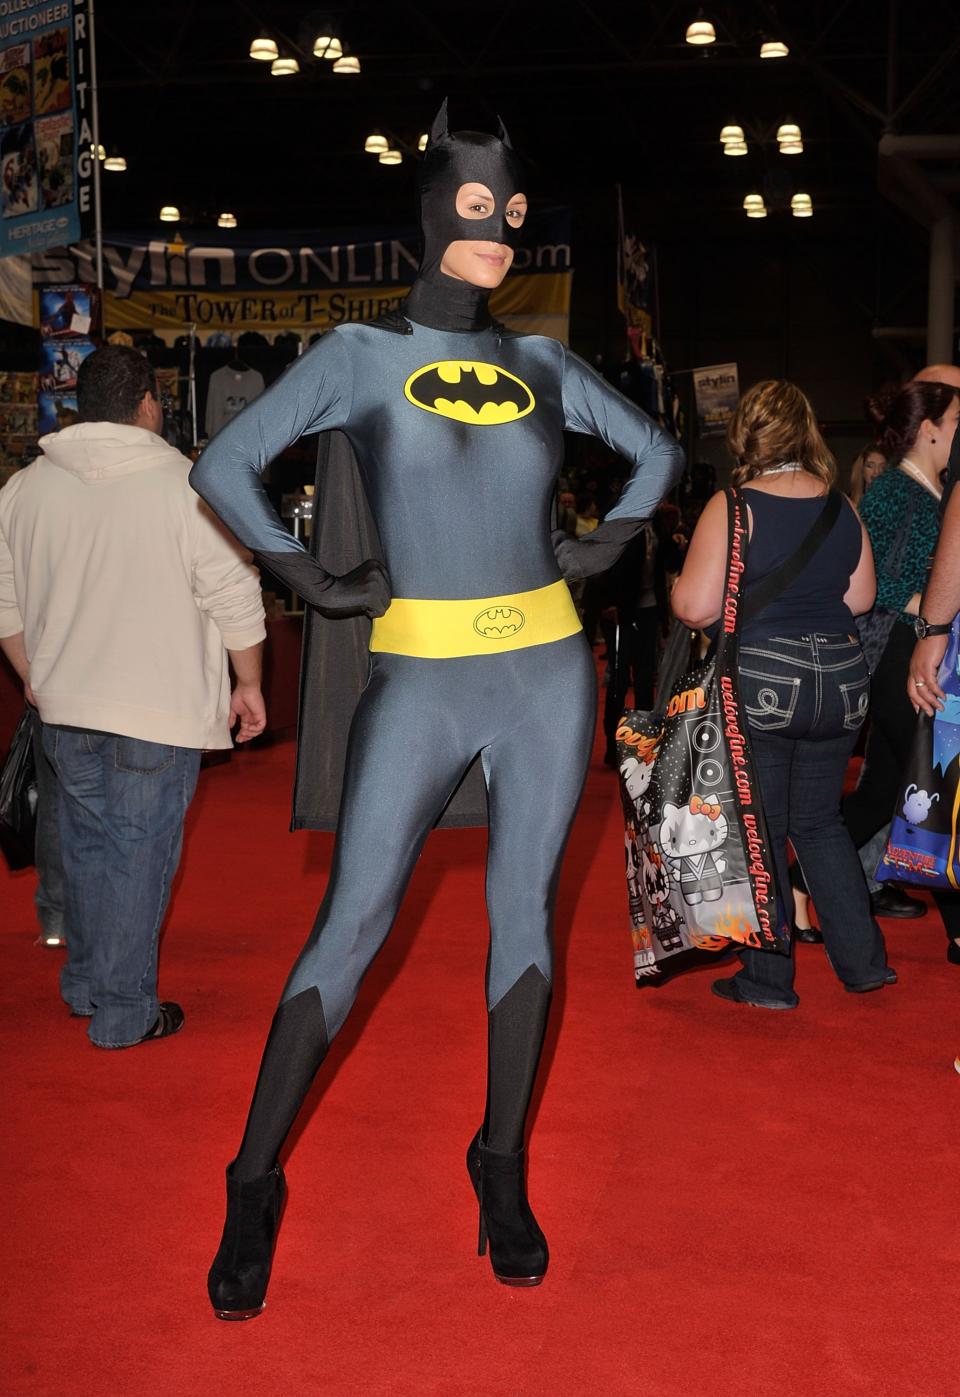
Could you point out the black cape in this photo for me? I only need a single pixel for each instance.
(335, 658)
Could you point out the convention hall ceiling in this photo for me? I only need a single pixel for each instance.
(595, 92)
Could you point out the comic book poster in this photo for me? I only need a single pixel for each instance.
(66, 310)
(18, 171)
(15, 85)
(60, 361)
(46, 189)
(57, 410)
(52, 91)
(55, 158)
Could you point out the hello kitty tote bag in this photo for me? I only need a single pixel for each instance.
(922, 847)
(700, 875)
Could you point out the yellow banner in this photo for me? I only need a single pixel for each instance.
(537, 304)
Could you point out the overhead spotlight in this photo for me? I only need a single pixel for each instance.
(801, 206)
(700, 31)
(791, 147)
(735, 148)
(423, 141)
(349, 63)
(98, 151)
(169, 214)
(284, 67)
(327, 46)
(376, 143)
(390, 157)
(731, 132)
(264, 48)
(227, 220)
(773, 48)
(753, 201)
(788, 131)
(115, 162)
(757, 213)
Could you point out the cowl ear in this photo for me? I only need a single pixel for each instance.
(504, 134)
(438, 131)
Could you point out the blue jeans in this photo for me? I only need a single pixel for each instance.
(805, 699)
(122, 805)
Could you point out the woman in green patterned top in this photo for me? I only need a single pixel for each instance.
(901, 511)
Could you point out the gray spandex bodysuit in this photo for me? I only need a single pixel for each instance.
(462, 509)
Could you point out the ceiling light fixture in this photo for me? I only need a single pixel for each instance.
(115, 162)
(327, 46)
(98, 151)
(801, 206)
(773, 48)
(347, 64)
(735, 148)
(169, 214)
(791, 147)
(756, 213)
(227, 220)
(264, 48)
(731, 132)
(284, 67)
(423, 141)
(376, 143)
(788, 131)
(701, 31)
(753, 201)
(390, 157)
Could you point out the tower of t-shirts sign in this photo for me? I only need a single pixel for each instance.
(46, 133)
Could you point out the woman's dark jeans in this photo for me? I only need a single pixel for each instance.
(805, 698)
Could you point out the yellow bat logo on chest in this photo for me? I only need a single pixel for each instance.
(467, 390)
(498, 622)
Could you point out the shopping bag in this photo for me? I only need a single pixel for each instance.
(700, 875)
(922, 847)
(18, 798)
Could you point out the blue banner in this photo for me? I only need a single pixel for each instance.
(46, 167)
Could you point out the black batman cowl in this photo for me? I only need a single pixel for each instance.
(436, 300)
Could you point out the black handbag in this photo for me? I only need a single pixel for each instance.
(18, 798)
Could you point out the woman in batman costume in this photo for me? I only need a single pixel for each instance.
(476, 648)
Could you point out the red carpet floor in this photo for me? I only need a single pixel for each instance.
(738, 1202)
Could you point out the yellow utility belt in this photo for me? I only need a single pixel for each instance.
(442, 630)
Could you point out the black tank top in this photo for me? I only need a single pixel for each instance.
(814, 600)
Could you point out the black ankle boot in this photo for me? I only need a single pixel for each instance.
(237, 1283)
(518, 1249)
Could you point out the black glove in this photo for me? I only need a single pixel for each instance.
(365, 591)
(585, 557)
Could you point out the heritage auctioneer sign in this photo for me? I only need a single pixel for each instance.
(285, 281)
(46, 136)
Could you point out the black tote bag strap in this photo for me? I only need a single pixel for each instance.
(748, 811)
(781, 578)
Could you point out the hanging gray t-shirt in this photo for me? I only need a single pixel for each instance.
(229, 392)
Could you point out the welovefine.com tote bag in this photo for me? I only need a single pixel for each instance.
(922, 846)
(700, 876)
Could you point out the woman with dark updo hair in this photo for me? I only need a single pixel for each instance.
(901, 511)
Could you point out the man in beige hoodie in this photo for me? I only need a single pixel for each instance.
(120, 597)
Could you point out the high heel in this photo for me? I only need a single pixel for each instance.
(238, 1279)
(518, 1248)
